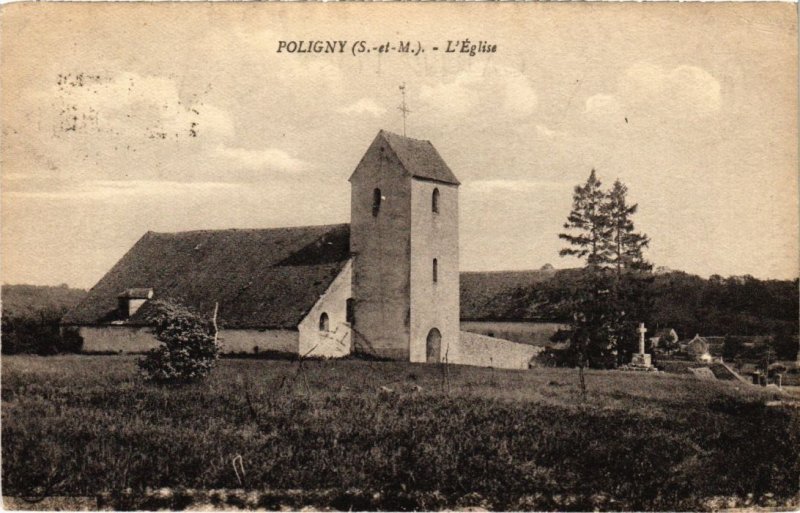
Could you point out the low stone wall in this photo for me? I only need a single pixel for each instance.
(472, 348)
(130, 339)
(117, 339)
(483, 351)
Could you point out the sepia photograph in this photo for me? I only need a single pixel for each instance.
(460, 256)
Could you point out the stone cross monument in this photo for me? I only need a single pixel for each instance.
(642, 330)
(641, 359)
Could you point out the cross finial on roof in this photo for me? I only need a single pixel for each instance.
(402, 108)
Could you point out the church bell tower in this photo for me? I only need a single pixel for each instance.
(404, 240)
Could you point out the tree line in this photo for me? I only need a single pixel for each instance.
(616, 288)
(31, 319)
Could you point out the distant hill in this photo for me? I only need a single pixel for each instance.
(738, 305)
(515, 295)
(26, 301)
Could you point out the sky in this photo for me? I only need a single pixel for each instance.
(118, 119)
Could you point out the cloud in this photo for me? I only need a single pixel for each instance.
(483, 90)
(648, 96)
(520, 98)
(602, 105)
(266, 159)
(106, 127)
(118, 133)
(652, 91)
(300, 75)
(113, 190)
(129, 105)
(688, 89)
(543, 131)
(363, 106)
(16, 176)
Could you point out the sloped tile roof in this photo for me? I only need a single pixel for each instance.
(261, 278)
(419, 158)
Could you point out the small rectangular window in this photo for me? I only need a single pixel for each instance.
(376, 202)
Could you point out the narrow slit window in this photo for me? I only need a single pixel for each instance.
(350, 311)
(376, 202)
(435, 270)
(435, 201)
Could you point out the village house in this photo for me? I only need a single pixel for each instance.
(664, 339)
(387, 284)
(698, 348)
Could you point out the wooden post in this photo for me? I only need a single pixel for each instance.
(214, 321)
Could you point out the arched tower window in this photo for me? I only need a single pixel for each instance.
(376, 202)
(435, 270)
(435, 201)
(323, 322)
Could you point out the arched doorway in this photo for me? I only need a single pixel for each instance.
(433, 347)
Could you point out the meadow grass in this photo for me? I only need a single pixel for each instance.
(403, 436)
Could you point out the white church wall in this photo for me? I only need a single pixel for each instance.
(258, 341)
(483, 351)
(335, 342)
(434, 235)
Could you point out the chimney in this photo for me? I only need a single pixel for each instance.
(132, 299)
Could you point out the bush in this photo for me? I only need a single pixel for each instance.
(189, 347)
(39, 333)
(555, 357)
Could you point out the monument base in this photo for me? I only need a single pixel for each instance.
(641, 360)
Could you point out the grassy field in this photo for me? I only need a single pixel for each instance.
(521, 440)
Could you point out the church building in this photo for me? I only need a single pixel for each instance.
(386, 284)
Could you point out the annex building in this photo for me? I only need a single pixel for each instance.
(387, 284)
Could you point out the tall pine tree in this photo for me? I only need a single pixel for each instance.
(625, 244)
(587, 233)
(631, 295)
(612, 295)
(588, 224)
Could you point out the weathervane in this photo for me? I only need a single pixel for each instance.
(402, 108)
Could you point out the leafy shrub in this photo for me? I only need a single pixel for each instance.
(555, 357)
(38, 333)
(188, 349)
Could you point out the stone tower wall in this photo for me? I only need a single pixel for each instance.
(434, 236)
(381, 248)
